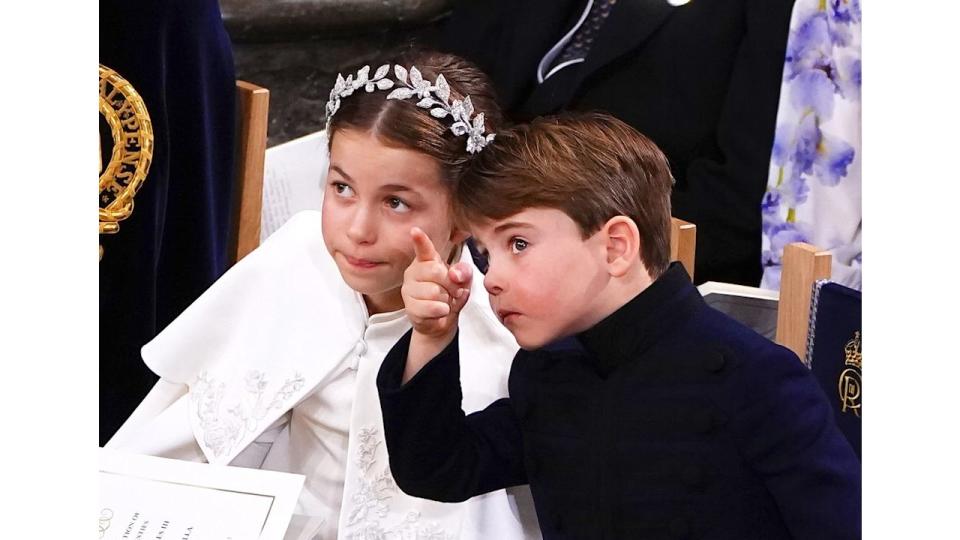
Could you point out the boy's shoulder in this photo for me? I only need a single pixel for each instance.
(715, 331)
(750, 370)
(705, 346)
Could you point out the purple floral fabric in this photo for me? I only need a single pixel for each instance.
(813, 192)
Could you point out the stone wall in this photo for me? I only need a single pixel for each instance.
(295, 48)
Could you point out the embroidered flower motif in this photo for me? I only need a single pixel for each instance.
(413, 528)
(367, 531)
(370, 499)
(223, 427)
(370, 502)
(367, 450)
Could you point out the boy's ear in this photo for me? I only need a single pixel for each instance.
(622, 243)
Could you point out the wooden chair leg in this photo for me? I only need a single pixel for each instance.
(803, 265)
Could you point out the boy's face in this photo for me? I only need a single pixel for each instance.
(373, 196)
(544, 279)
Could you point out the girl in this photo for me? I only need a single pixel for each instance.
(275, 365)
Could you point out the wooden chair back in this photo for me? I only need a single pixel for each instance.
(683, 243)
(803, 265)
(251, 145)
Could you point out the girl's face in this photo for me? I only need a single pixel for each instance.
(374, 195)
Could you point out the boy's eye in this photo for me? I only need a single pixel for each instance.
(342, 189)
(397, 204)
(518, 244)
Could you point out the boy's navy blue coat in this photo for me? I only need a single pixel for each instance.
(665, 420)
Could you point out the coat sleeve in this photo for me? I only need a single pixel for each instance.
(787, 434)
(437, 452)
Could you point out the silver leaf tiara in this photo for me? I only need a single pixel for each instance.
(433, 96)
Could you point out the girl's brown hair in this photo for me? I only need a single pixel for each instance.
(400, 123)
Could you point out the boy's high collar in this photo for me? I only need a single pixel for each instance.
(625, 333)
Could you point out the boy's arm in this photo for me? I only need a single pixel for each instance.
(436, 452)
(789, 437)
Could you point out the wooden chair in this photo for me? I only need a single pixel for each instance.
(683, 243)
(251, 145)
(803, 265)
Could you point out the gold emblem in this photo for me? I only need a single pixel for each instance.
(132, 134)
(849, 382)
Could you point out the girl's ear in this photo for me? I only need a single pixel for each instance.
(457, 238)
(458, 235)
(622, 239)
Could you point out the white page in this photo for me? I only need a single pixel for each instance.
(144, 497)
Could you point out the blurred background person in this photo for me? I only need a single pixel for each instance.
(814, 186)
(701, 78)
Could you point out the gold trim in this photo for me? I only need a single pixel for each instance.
(849, 385)
(132, 153)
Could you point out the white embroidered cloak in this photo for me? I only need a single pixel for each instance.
(266, 336)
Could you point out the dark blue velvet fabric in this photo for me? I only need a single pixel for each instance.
(667, 419)
(178, 56)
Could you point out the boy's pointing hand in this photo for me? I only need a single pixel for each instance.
(434, 293)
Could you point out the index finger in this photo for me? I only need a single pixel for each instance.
(422, 246)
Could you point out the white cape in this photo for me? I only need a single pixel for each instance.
(268, 334)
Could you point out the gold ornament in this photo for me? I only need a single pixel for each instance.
(132, 134)
(849, 385)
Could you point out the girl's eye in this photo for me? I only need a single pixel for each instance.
(518, 244)
(396, 204)
(342, 189)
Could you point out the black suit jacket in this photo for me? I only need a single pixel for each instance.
(665, 420)
(702, 80)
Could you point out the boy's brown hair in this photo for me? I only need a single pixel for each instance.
(590, 166)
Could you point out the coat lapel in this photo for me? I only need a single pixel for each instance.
(538, 25)
(629, 25)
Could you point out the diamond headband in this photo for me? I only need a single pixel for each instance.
(432, 96)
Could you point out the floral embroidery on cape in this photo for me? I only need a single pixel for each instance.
(370, 503)
(223, 425)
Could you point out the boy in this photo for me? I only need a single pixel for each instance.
(635, 410)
